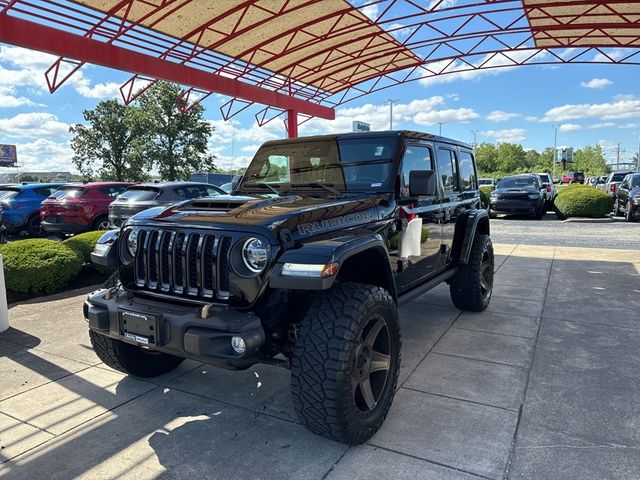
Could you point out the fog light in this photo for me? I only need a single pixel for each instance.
(237, 343)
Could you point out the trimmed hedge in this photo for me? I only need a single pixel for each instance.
(582, 201)
(84, 244)
(39, 266)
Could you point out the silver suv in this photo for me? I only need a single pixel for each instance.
(548, 188)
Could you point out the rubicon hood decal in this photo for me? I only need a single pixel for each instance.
(336, 222)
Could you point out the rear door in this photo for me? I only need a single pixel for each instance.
(452, 202)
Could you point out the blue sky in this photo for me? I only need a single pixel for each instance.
(590, 104)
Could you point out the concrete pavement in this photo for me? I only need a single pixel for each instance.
(544, 384)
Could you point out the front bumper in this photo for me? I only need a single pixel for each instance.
(515, 206)
(179, 329)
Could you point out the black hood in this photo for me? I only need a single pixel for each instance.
(302, 215)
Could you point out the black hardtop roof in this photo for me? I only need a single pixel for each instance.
(377, 134)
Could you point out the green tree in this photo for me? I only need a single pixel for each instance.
(590, 160)
(176, 141)
(110, 145)
(544, 162)
(486, 156)
(511, 158)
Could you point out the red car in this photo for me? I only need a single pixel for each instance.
(79, 207)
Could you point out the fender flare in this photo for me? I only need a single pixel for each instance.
(476, 221)
(322, 252)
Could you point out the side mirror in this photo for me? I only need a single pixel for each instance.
(235, 182)
(422, 182)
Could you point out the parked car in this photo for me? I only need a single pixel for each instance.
(614, 179)
(487, 182)
(628, 198)
(137, 198)
(310, 280)
(549, 189)
(602, 182)
(217, 179)
(80, 207)
(518, 194)
(573, 177)
(21, 205)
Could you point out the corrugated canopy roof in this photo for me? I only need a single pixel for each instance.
(287, 38)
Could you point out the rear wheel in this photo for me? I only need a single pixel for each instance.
(472, 284)
(130, 359)
(628, 214)
(101, 223)
(346, 362)
(616, 208)
(34, 228)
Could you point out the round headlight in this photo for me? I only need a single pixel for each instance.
(255, 254)
(132, 243)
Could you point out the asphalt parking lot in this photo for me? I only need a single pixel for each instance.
(596, 233)
(544, 384)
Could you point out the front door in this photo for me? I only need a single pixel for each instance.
(415, 247)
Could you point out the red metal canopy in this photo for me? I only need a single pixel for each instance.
(309, 56)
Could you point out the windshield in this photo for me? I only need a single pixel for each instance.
(7, 193)
(345, 165)
(139, 194)
(518, 182)
(618, 177)
(68, 193)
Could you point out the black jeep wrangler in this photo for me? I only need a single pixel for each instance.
(304, 265)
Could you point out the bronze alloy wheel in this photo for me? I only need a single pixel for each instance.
(371, 365)
(486, 274)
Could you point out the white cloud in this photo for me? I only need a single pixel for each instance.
(500, 116)
(628, 125)
(228, 132)
(44, 155)
(371, 11)
(36, 124)
(597, 126)
(604, 111)
(10, 101)
(597, 83)
(570, 127)
(447, 71)
(450, 115)
(510, 135)
(28, 68)
(250, 148)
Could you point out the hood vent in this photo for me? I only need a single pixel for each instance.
(214, 205)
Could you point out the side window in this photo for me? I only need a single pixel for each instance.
(468, 179)
(447, 169)
(415, 158)
(44, 192)
(212, 192)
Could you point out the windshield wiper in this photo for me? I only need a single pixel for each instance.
(263, 185)
(328, 187)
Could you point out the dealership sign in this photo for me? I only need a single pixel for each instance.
(8, 156)
(360, 126)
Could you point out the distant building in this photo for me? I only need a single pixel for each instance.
(36, 176)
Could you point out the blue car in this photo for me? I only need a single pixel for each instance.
(20, 205)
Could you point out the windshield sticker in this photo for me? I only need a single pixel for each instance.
(378, 184)
(331, 223)
(379, 150)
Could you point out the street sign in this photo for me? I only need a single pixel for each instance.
(8, 156)
(361, 126)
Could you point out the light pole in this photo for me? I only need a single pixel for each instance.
(555, 146)
(475, 132)
(638, 159)
(391, 102)
(440, 130)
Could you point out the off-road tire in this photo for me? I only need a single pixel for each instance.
(130, 359)
(324, 369)
(470, 289)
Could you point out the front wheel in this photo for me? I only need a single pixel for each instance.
(472, 284)
(628, 214)
(616, 208)
(130, 359)
(346, 362)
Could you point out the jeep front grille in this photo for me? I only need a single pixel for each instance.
(183, 263)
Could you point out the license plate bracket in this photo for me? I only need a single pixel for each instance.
(140, 328)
